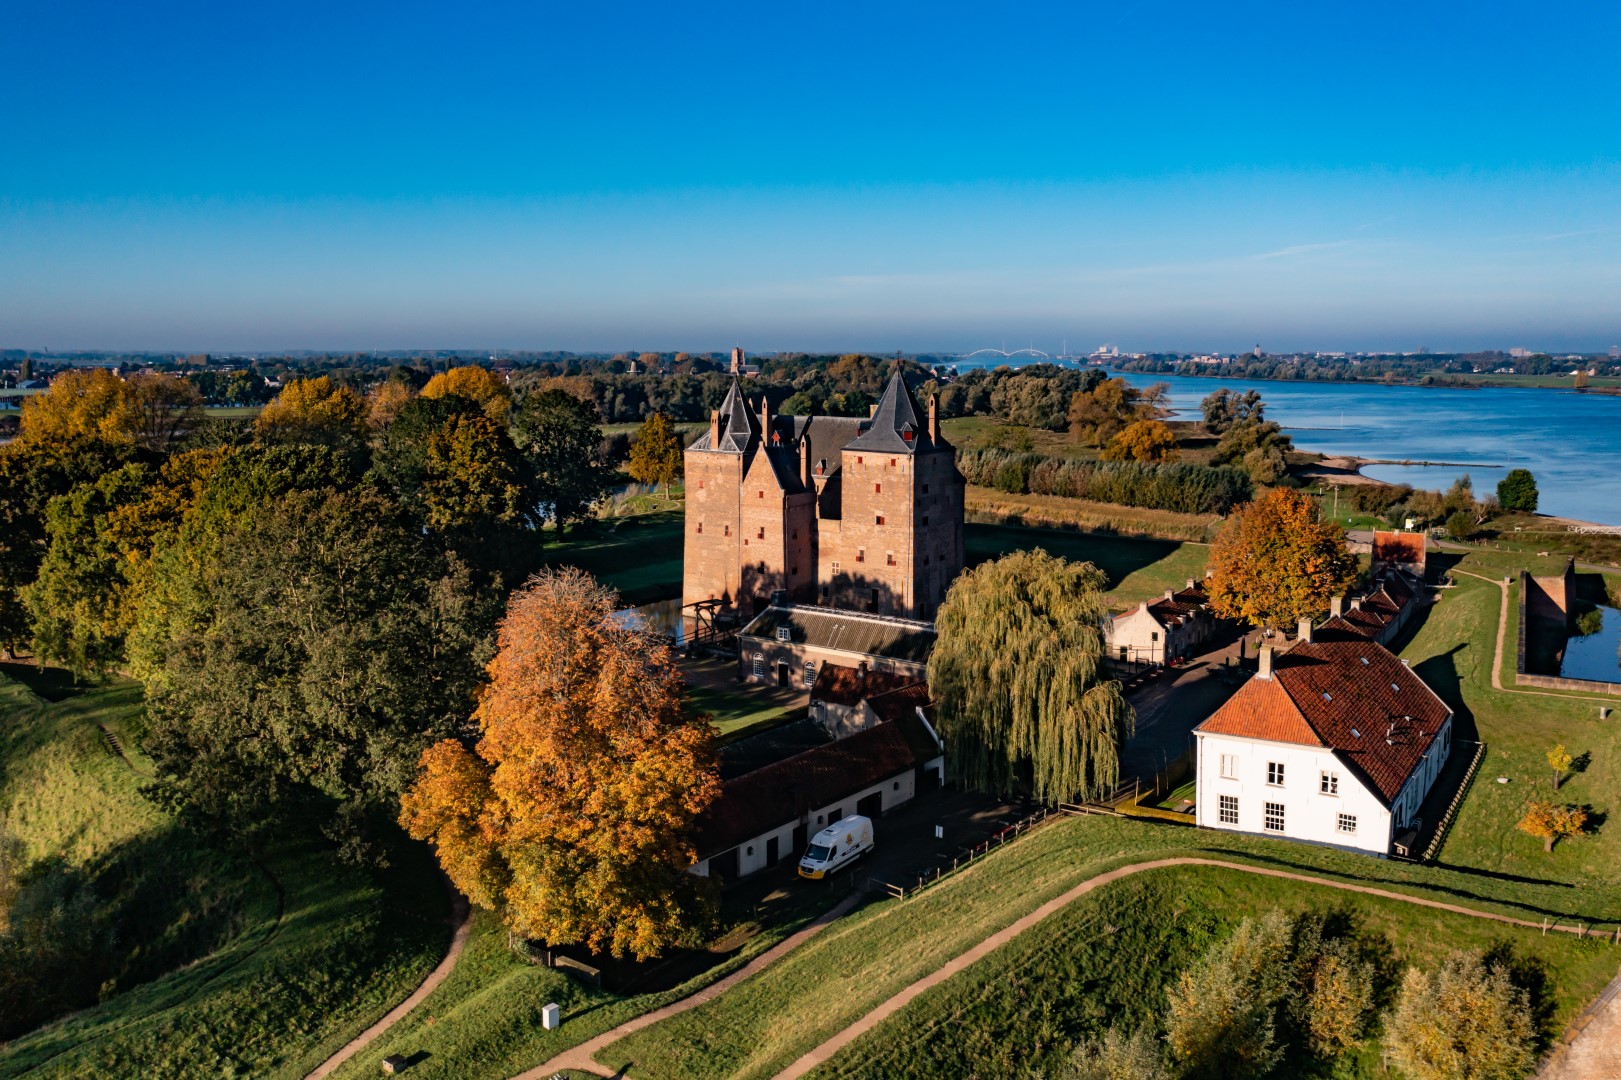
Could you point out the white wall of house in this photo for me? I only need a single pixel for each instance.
(1308, 813)
(1140, 634)
(894, 790)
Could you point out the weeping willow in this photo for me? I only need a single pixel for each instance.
(1018, 677)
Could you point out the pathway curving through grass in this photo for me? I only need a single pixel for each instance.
(821, 1054)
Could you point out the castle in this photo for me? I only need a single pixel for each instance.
(843, 512)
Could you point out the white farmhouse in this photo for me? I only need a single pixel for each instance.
(1334, 742)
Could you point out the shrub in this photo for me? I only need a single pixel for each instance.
(1185, 488)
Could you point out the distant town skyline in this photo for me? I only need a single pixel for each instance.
(927, 178)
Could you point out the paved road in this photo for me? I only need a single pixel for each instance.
(1595, 1052)
(823, 1053)
(1173, 704)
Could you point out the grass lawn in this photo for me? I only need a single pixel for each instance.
(1108, 957)
(1137, 567)
(290, 957)
(734, 710)
(1175, 799)
(1452, 651)
(640, 555)
(761, 1025)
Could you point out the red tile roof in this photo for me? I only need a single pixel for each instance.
(768, 798)
(1352, 696)
(839, 684)
(1398, 547)
(903, 702)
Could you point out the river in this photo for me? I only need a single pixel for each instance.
(1571, 442)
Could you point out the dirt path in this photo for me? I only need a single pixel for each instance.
(458, 941)
(821, 1054)
(582, 1058)
(1594, 1051)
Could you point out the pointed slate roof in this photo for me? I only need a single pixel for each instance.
(738, 424)
(896, 427)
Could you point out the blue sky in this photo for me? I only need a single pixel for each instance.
(921, 177)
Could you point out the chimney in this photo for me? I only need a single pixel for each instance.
(1192, 584)
(1304, 633)
(872, 410)
(1336, 607)
(934, 418)
(1264, 656)
(1170, 594)
(714, 429)
(861, 672)
(810, 469)
(1356, 604)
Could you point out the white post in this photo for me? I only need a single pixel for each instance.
(551, 1016)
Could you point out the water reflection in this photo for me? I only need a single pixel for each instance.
(1596, 656)
(663, 616)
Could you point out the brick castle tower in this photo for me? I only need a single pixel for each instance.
(861, 514)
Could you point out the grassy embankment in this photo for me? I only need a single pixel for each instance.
(290, 956)
(1109, 957)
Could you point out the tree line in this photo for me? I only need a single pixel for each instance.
(1179, 486)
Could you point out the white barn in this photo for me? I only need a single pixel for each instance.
(1334, 742)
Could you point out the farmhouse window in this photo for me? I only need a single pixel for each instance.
(1229, 765)
(1274, 817)
(1274, 773)
(759, 665)
(1329, 783)
(835, 569)
(1348, 823)
(810, 672)
(1229, 809)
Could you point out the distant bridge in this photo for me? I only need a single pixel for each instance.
(1009, 355)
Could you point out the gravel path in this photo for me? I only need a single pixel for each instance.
(458, 941)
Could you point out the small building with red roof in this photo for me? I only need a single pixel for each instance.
(1166, 628)
(1336, 741)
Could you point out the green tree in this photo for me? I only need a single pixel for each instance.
(1461, 525)
(1277, 561)
(1518, 491)
(1023, 695)
(326, 646)
(32, 473)
(1466, 1021)
(656, 456)
(561, 436)
(1221, 1013)
(1335, 1001)
(1227, 408)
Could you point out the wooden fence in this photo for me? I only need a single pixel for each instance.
(963, 858)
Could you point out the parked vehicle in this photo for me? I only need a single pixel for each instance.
(840, 844)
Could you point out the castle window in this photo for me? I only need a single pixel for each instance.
(700, 485)
(889, 558)
(878, 489)
(878, 520)
(762, 494)
(700, 526)
(794, 571)
(728, 530)
(761, 534)
(858, 459)
(835, 569)
(861, 554)
(891, 463)
(762, 568)
(925, 489)
(925, 519)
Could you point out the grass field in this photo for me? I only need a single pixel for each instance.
(638, 555)
(290, 956)
(1137, 567)
(761, 1025)
(1108, 958)
(1057, 511)
(1452, 651)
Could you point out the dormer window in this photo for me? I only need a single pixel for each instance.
(821, 467)
(906, 432)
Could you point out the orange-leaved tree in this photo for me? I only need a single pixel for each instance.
(574, 814)
(1551, 823)
(318, 411)
(1145, 440)
(1277, 561)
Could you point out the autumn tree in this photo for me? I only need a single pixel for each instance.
(573, 815)
(1144, 440)
(1332, 1001)
(1115, 1056)
(159, 409)
(385, 400)
(656, 457)
(561, 437)
(1099, 414)
(1023, 694)
(318, 411)
(1552, 823)
(476, 384)
(325, 645)
(1221, 1013)
(1518, 491)
(81, 404)
(1559, 760)
(1465, 1021)
(1277, 561)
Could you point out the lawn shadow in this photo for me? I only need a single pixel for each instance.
(53, 684)
(1440, 673)
(1117, 556)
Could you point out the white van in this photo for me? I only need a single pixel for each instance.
(839, 844)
